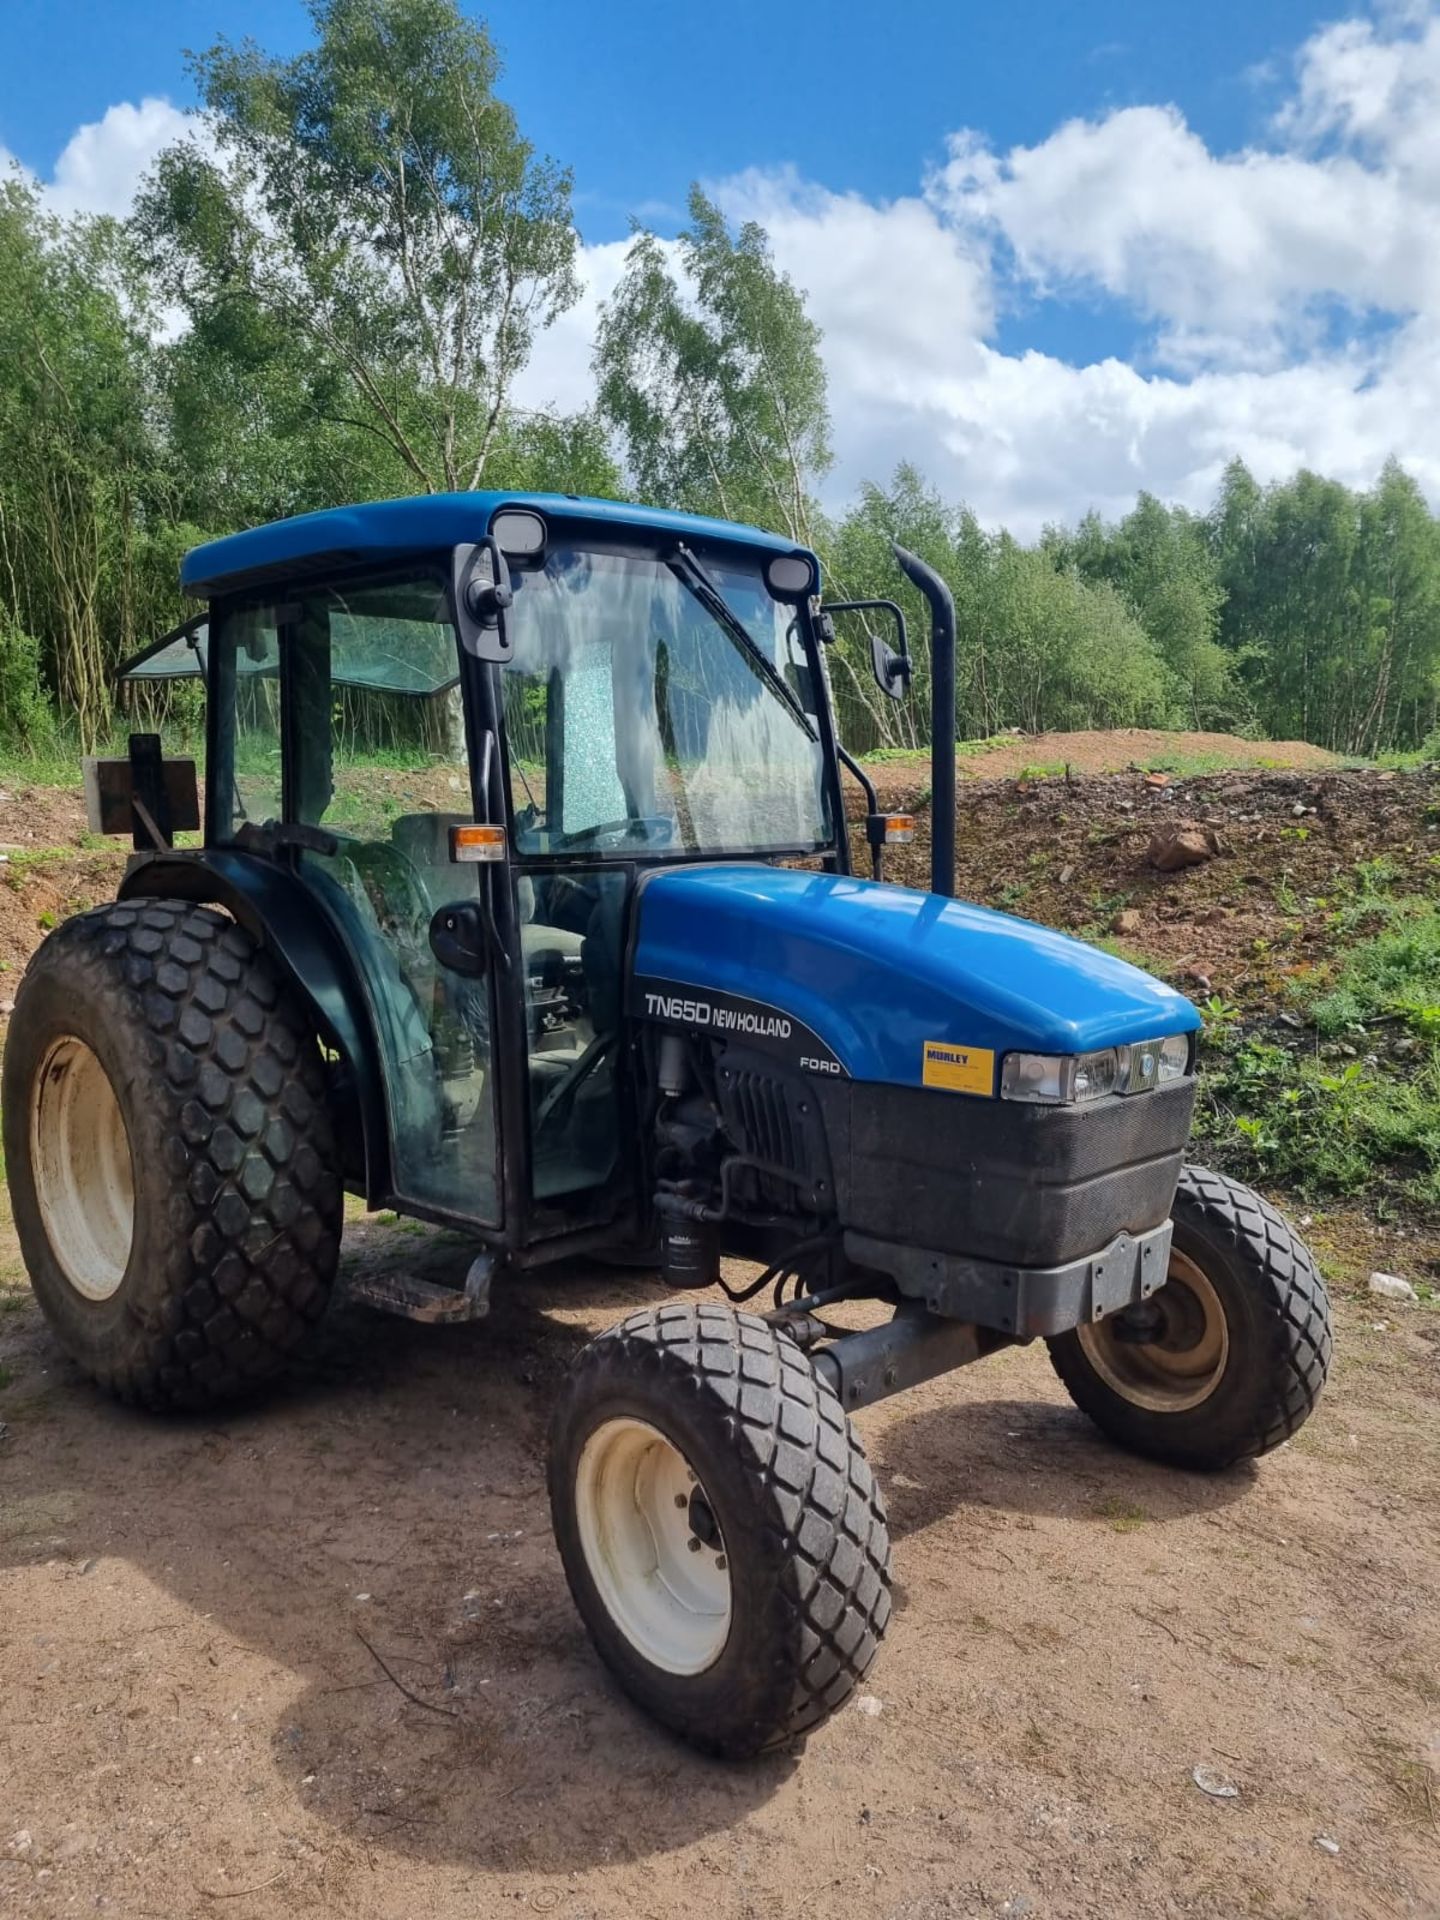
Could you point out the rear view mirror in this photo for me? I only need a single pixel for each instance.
(890, 665)
(459, 939)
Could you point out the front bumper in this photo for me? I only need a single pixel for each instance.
(1001, 1180)
(1025, 1302)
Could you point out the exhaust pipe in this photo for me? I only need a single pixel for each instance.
(942, 718)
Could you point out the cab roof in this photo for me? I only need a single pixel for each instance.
(389, 529)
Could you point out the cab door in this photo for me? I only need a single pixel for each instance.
(373, 772)
(570, 915)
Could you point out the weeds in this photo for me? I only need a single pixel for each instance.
(1351, 1102)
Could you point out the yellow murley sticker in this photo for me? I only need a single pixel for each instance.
(959, 1069)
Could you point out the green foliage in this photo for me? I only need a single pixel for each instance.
(716, 389)
(1359, 1112)
(364, 250)
(82, 479)
(1159, 561)
(372, 227)
(1331, 612)
(1041, 646)
(26, 720)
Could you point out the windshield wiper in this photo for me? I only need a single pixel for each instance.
(688, 566)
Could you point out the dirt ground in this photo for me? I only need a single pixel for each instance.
(318, 1656)
(194, 1617)
(1127, 749)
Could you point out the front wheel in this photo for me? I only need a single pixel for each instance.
(719, 1525)
(1228, 1358)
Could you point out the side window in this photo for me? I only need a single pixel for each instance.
(248, 649)
(380, 731)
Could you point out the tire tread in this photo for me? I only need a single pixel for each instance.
(251, 1183)
(825, 1515)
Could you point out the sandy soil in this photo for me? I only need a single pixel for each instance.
(194, 1616)
(1122, 749)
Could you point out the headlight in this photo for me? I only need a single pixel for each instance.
(1059, 1079)
(1070, 1079)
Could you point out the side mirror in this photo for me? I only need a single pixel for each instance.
(482, 592)
(459, 939)
(890, 665)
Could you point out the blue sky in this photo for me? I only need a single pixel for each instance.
(1059, 251)
(642, 96)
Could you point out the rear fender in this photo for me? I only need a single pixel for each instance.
(276, 910)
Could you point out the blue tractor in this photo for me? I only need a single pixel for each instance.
(524, 903)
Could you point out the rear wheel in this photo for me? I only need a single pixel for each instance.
(720, 1527)
(1228, 1358)
(172, 1167)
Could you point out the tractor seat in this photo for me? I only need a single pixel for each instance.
(424, 839)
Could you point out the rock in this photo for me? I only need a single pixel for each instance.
(1157, 779)
(1389, 1286)
(1198, 975)
(867, 1703)
(1184, 843)
(1216, 917)
(1066, 873)
(1326, 1844)
(1210, 1780)
(1126, 921)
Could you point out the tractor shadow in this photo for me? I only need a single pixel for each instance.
(380, 1529)
(1033, 1458)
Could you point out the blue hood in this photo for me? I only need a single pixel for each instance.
(878, 971)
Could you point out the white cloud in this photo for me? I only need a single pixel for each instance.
(1229, 253)
(1239, 272)
(1245, 267)
(558, 372)
(103, 162)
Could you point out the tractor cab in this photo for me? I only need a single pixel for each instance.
(453, 758)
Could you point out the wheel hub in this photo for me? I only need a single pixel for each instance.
(653, 1546)
(80, 1160)
(1169, 1355)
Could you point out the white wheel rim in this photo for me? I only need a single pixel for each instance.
(639, 1507)
(80, 1159)
(1163, 1378)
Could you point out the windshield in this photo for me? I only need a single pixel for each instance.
(636, 717)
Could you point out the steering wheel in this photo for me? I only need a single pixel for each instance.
(656, 829)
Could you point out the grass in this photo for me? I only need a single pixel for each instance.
(1123, 1516)
(1349, 1102)
(1188, 765)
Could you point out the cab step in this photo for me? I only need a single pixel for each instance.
(426, 1301)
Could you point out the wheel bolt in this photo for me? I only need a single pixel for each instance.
(681, 1501)
(693, 1544)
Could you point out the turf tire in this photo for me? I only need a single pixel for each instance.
(1277, 1318)
(801, 1518)
(237, 1197)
